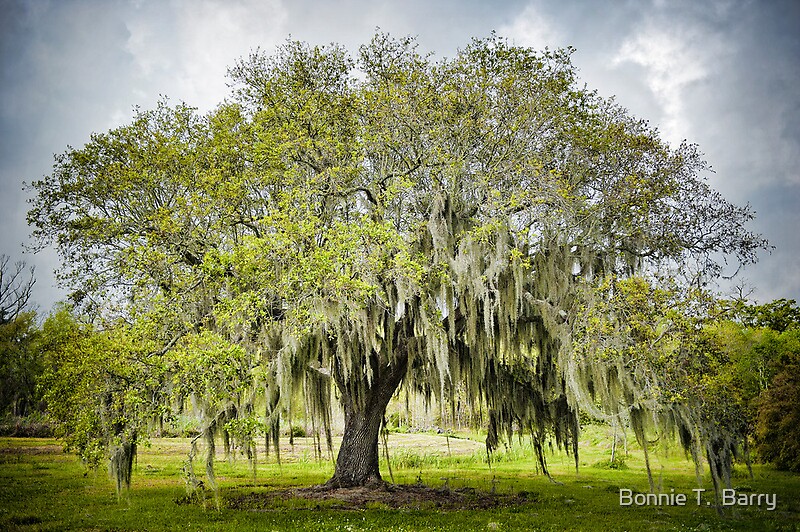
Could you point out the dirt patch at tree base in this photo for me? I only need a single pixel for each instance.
(385, 496)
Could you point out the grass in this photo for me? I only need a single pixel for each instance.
(42, 488)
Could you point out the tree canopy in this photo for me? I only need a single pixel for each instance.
(342, 226)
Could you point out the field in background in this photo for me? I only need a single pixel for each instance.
(42, 488)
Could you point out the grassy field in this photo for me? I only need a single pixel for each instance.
(42, 488)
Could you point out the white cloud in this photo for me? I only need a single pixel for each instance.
(531, 28)
(185, 54)
(673, 60)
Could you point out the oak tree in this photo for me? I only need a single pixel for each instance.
(344, 226)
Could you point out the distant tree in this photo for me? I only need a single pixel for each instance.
(20, 365)
(778, 423)
(16, 286)
(778, 315)
(19, 362)
(758, 372)
(362, 224)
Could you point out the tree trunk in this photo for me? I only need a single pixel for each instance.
(357, 462)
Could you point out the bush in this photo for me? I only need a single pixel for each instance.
(34, 426)
(617, 464)
(296, 431)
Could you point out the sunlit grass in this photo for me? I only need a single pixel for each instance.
(42, 488)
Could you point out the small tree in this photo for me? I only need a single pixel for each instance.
(385, 220)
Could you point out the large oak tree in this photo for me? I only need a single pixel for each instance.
(344, 226)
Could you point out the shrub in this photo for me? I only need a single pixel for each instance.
(34, 426)
(297, 431)
(617, 464)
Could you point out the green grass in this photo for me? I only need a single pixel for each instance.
(41, 488)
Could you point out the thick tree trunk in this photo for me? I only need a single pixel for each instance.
(357, 462)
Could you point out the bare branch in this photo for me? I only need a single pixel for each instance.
(16, 286)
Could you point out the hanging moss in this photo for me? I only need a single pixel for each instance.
(121, 464)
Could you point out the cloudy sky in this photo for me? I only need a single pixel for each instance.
(724, 74)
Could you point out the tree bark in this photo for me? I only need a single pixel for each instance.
(357, 462)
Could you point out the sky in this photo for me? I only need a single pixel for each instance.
(724, 74)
